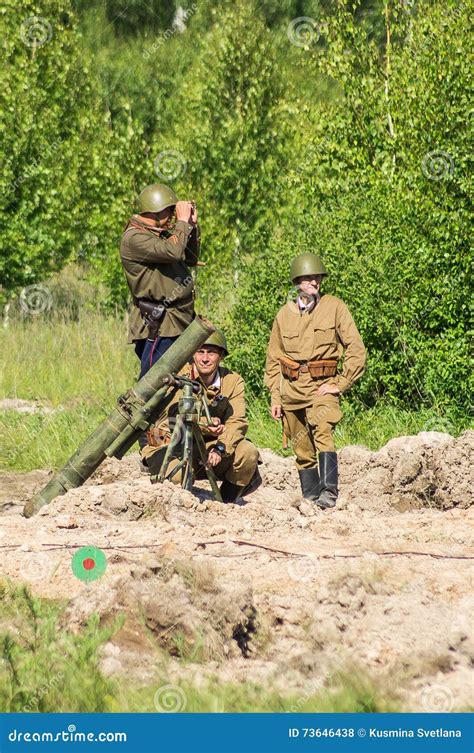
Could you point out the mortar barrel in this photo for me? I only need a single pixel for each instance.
(87, 458)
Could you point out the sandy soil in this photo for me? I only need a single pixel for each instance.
(272, 591)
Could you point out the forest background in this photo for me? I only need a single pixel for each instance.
(336, 127)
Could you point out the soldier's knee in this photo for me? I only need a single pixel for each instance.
(246, 453)
(324, 438)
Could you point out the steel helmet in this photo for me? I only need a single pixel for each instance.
(307, 264)
(155, 198)
(218, 339)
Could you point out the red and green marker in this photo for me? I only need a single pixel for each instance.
(89, 563)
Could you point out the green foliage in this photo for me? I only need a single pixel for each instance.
(346, 692)
(232, 140)
(80, 364)
(42, 128)
(45, 668)
(65, 169)
(351, 142)
(379, 187)
(132, 16)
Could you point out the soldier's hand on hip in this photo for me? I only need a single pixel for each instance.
(328, 389)
(184, 210)
(276, 412)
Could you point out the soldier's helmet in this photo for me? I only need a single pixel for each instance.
(307, 264)
(155, 198)
(218, 339)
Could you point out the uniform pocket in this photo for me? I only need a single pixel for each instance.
(325, 410)
(291, 342)
(325, 336)
(291, 336)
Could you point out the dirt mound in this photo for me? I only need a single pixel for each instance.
(188, 608)
(129, 499)
(18, 488)
(273, 590)
(430, 469)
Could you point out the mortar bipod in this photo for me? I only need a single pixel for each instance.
(186, 431)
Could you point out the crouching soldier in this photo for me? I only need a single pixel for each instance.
(309, 336)
(233, 458)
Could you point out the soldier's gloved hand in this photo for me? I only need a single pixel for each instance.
(216, 428)
(276, 412)
(328, 389)
(184, 211)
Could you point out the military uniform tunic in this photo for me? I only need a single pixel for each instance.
(326, 332)
(227, 402)
(156, 265)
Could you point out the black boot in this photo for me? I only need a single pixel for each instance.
(328, 471)
(309, 480)
(231, 492)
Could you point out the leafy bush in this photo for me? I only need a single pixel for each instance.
(351, 142)
(135, 16)
(378, 186)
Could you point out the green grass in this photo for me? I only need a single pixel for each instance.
(47, 668)
(78, 366)
(345, 693)
(372, 427)
(38, 440)
(81, 364)
(62, 362)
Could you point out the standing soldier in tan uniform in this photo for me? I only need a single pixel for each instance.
(156, 260)
(309, 336)
(233, 458)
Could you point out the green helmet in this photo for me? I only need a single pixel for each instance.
(218, 339)
(307, 264)
(155, 198)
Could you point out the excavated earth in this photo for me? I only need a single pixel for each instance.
(271, 591)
